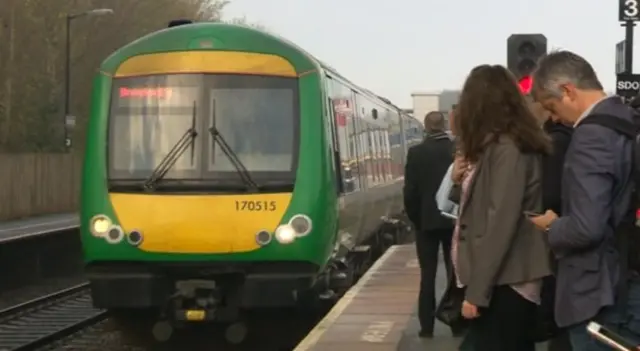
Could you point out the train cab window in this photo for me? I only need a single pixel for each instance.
(260, 133)
(257, 117)
(148, 117)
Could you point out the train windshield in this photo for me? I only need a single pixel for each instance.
(256, 115)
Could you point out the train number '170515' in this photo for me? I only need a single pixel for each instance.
(255, 205)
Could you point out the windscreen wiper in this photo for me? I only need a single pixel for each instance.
(235, 161)
(187, 139)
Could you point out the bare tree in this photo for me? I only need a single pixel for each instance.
(32, 60)
(244, 21)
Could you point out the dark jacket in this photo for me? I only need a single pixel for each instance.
(552, 165)
(427, 163)
(596, 192)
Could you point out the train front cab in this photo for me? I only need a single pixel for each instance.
(202, 227)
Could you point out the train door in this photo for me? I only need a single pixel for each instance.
(340, 105)
(338, 170)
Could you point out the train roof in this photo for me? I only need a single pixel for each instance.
(245, 38)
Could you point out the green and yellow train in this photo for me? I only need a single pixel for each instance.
(227, 168)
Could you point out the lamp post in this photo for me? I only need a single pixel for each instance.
(68, 119)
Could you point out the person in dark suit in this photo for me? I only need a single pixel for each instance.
(553, 164)
(426, 165)
(552, 167)
(596, 194)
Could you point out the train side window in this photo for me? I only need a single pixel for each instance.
(357, 140)
(354, 151)
(387, 140)
(383, 154)
(395, 144)
(366, 141)
(372, 153)
(382, 135)
(358, 128)
(382, 163)
(363, 151)
(377, 153)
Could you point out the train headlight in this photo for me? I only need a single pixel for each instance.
(114, 235)
(263, 238)
(285, 234)
(99, 225)
(135, 238)
(301, 224)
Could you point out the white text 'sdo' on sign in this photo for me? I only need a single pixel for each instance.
(627, 85)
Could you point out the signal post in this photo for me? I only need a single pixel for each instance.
(627, 83)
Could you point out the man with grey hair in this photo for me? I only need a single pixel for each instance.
(596, 197)
(426, 164)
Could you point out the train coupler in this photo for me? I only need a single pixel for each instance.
(200, 301)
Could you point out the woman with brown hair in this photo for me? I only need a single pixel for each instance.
(499, 257)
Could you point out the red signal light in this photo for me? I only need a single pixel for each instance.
(525, 83)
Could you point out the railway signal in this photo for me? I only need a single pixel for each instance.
(525, 83)
(523, 51)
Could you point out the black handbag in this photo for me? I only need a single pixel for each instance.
(449, 310)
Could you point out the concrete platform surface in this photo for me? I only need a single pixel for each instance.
(379, 312)
(31, 227)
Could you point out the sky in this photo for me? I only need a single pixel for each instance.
(397, 47)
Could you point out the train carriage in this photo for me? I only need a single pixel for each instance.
(226, 168)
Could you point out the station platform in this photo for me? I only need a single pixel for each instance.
(379, 312)
(374, 313)
(36, 226)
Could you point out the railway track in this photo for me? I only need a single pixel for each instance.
(47, 319)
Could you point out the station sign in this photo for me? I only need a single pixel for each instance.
(627, 85)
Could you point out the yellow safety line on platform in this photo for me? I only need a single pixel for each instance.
(312, 338)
